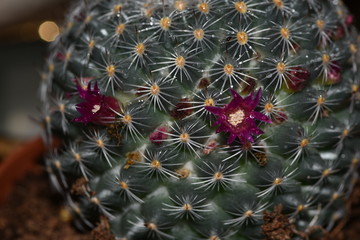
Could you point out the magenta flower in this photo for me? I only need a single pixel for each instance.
(349, 19)
(159, 135)
(96, 108)
(238, 117)
(334, 73)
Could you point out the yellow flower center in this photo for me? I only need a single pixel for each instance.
(236, 117)
(95, 108)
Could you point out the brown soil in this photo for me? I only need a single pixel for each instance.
(349, 228)
(32, 212)
(276, 225)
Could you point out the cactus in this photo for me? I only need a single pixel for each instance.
(205, 119)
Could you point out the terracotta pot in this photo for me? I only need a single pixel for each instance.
(18, 163)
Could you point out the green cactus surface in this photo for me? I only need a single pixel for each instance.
(205, 119)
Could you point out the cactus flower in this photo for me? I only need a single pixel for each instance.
(238, 117)
(96, 108)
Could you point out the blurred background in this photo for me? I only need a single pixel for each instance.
(26, 28)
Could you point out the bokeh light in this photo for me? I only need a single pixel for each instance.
(48, 31)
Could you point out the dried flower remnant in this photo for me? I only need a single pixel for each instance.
(297, 79)
(238, 117)
(334, 74)
(96, 108)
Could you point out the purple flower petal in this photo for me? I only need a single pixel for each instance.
(238, 117)
(261, 117)
(96, 108)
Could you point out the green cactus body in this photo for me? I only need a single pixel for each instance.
(188, 119)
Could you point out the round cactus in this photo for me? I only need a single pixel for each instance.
(205, 119)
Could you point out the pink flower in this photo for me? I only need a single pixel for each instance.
(238, 117)
(159, 135)
(349, 20)
(334, 73)
(96, 108)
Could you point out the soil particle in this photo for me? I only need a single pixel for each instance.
(277, 225)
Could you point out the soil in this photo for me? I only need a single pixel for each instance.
(32, 212)
(349, 228)
(276, 225)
